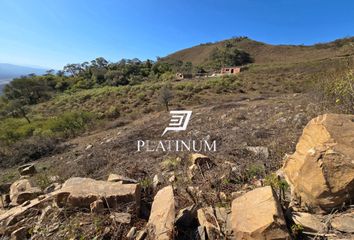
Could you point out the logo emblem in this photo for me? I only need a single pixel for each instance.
(179, 121)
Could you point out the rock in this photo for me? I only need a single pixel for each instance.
(258, 215)
(131, 234)
(27, 169)
(209, 222)
(52, 187)
(13, 215)
(187, 217)
(157, 180)
(200, 159)
(97, 206)
(344, 223)
(223, 216)
(19, 234)
(119, 178)
(321, 171)
(22, 191)
(88, 147)
(202, 233)
(309, 222)
(162, 217)
(222, 196)
(121, 217)
(237, 194)
(141, 235)
(81, 192)
(259, 151)
(172, 178)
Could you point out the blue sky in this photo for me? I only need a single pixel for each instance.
(51, 33)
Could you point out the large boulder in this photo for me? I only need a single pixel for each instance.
(321, 171)
(162, 217)
(258, 215)
(22, 190)
(81, 192)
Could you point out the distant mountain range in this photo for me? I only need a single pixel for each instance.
(11, 71)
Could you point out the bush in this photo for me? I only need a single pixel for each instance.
(66, 125)
(69, 124)
(339, 90)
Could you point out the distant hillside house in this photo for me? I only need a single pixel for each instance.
(230, 70)
(180, 76)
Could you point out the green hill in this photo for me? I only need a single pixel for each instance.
(267, 53)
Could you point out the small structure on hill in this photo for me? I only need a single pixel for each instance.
(230, 70)
(180, 76)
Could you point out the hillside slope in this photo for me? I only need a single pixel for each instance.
(267, 53)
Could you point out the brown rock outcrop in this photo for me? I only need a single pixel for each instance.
(162, 217)
(258, 215)
(321, 171)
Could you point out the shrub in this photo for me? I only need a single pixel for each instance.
(70, 123)
(339, 90)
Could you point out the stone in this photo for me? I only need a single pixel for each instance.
(162, 217)
(321, 171)
(202, 233)
(131, 234)
(208, 221)
(121, 217)
(187, 217)
(88, 147)
(22, 191)
(344, 222)
(157, 180)
(309, 222)
(81, 192)
(259, 151)
(222, 196)
(52, 187)
(172, 178)
(141, 235)
(258, 215)
(97, 206)
(13, 215)
(119, 178)
(27, 169)
(19, 234)
(237, 194)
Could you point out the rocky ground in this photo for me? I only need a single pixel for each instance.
(233, 193)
